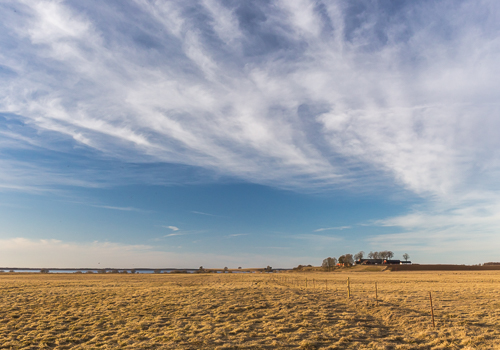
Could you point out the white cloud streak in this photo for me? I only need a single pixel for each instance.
(118, 208)
(202, 213)
(332, 228)
(173, 234)
(316, 238)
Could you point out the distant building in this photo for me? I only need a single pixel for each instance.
(392, 262)
(406, 262)
(369, 262)
(381, 262)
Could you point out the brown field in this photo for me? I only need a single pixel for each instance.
(443, 267)
(251, 311)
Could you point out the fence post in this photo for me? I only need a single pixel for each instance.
(326, 284)
(376, 293)
(348, 288)
(432, 310)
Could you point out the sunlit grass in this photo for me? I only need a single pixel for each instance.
(250, 311)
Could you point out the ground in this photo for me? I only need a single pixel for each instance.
(250, 311)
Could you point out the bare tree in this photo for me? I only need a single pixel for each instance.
(348, 260)
(386, 254)
(376, 255)
(329, 263)
(359, 255)
(406, 256)
(342, 259)
(370, 255)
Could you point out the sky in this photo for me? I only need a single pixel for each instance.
(248, 133)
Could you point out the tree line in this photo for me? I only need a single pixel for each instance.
(348, 259)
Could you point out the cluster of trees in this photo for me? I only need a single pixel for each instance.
(348, 259)
(385, 254)
(329, 262)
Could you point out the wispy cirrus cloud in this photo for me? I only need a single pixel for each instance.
(175, 230)
(118, 208)
(316, 237)
(109, 207)
(238, 234)
(173, 234)
(302, 96)
(332, 228)
(206, 214)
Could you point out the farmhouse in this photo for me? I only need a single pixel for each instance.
(381, 262)
(369, 262)
(392, 262)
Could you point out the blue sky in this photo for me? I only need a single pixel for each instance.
(237, 133)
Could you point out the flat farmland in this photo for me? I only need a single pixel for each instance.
(250, 311)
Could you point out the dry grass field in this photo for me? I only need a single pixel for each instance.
(250, 311)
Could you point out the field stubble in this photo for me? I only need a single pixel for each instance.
(250, 311)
